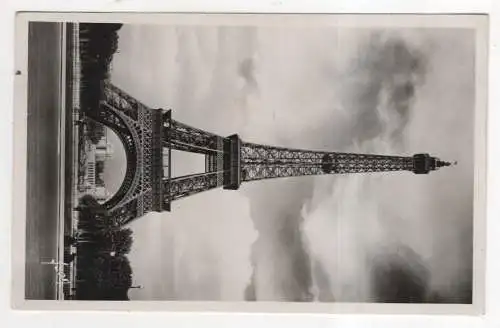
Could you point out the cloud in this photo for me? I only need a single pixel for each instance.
(395, 237)
(246, 70)
(377, 93)
(381, 83)
(380, 87)
(281, 265)
(398, 275)
(322, 283)
(348, 236)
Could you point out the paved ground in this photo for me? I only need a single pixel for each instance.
(44, 103)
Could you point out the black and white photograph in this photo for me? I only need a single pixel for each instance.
(264, 160)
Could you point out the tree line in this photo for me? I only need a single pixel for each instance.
(103, 271)
(98, 44)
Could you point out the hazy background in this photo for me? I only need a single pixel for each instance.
(370, 237)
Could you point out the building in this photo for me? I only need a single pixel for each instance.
(97, 154)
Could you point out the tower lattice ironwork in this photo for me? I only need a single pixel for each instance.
(149, 135)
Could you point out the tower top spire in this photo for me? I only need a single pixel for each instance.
(424, 163)
(440, 163)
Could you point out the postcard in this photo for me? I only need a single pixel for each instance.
(250, 162)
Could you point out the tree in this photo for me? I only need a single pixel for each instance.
(112, 272)
(115, 240)
(98, 44)
(90, 202)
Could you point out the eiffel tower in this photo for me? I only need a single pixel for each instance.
(149, 135)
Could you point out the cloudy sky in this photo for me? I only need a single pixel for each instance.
(370, 237)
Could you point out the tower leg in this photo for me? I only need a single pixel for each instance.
(232, 162)
(167, 174)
